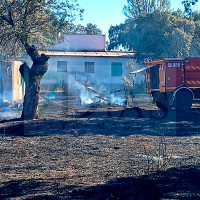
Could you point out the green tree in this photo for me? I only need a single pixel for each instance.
(195, 47)
(26, 23)
(188, 7)
(156, 35)
(136, 7)
(90, 29)
(119, 35)
(128, 79)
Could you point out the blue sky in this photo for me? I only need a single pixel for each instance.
(105, 13)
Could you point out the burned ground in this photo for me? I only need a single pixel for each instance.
(101, 153)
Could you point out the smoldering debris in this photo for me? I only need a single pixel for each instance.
(92, 93)
(10, 109)
(11, 104)
(101, 98)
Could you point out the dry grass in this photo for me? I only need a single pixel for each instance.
(85, 161)
(107, 154)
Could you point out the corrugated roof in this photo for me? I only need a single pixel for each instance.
(90, 54)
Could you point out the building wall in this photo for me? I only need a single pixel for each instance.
(10, 81)
(17, 82)
(101, 77)
(6, 80)
(81, 43)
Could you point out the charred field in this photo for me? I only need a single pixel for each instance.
(103, 152)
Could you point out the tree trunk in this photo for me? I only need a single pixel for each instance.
(32, 77)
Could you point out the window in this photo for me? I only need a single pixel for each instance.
(116, 69)
(61, 66)
(89, 67)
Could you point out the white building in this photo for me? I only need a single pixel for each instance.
(82, 58)
(81, 43)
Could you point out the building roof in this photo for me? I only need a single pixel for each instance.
(90, 54)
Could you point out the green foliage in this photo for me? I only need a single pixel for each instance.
(195, 47)
(38, 22)
(136, 7)
(153, 30)
(188, 4)
(119, 35)
(196, 16)
(126, 82)
(156, 35)
(128, 79)
(90, 29)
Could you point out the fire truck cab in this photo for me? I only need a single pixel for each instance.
(173, 82)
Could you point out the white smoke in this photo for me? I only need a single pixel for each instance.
(10, 109)
(86, 97)
(90, 91)
(117, 100)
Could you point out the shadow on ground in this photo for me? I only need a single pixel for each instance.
(175, 183)
(132, 121)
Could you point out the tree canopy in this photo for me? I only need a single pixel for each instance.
(90, 29)
(188, 4)
(38, 22)
(157, 34)
(136, 7)
(25, 24)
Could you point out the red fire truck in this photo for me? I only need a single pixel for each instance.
(173, 82)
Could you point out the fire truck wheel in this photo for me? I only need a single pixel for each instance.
(183, 100)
